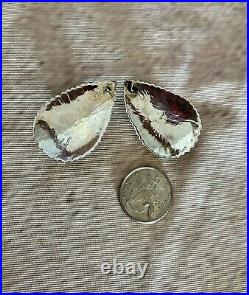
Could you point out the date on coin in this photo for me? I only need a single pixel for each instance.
(145, 194)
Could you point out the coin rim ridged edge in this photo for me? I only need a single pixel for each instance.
(198, 130)
(101, 135)
(123, 182)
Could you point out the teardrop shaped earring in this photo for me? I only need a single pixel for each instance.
(167, 124)
(69, 126)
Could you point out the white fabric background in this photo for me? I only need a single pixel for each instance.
(60, 222)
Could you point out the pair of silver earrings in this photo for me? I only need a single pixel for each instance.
(69, 126)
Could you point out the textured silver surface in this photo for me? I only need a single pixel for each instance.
(145, 194)
(60, 222)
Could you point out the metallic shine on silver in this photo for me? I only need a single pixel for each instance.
(145, 194)
(167, 124)
(69, 126)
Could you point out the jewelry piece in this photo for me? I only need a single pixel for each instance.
(167, 124)
(70, 126)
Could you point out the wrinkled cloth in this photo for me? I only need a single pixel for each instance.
(62, 221)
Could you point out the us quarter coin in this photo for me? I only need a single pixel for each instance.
(145, 194)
